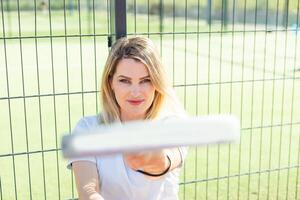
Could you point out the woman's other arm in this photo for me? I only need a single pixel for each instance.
(87, 180)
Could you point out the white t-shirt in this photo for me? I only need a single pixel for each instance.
(120, 182)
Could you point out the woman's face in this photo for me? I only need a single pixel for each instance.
(133, 89)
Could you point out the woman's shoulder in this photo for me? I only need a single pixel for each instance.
(87, 123)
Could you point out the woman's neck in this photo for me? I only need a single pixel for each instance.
(130, 117)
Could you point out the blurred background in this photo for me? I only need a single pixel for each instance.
(222, 56)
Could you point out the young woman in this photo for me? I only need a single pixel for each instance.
(134, 87)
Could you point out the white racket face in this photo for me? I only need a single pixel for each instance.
(151, 135)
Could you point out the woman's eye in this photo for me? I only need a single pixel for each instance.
(146, 81)
(124, 81)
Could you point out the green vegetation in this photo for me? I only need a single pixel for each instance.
(153, 4)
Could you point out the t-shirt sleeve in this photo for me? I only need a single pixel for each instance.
(81, 127)
(183, 152)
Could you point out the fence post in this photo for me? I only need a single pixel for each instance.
(117, 20)
(89, 8)
(208, 12)
(225, 13)
(161, 16)
(8, 10)
(285, 14)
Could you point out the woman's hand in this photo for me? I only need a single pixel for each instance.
(154, 162)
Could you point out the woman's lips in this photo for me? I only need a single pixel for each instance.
(135, 102)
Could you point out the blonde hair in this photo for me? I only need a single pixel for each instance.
(140, 49)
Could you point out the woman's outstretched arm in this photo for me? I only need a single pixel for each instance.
(155, 162)
(87, 180)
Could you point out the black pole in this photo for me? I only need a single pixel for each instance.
(285, 14)
(89, 8)
(117, 20)
(161, 16)
(225, 13)
(208, 12)
(9, 18)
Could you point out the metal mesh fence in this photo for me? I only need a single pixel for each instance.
(222, 56)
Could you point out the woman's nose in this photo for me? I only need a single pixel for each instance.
(135, 90)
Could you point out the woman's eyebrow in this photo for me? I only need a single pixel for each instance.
(148, 76)
(123, 76)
